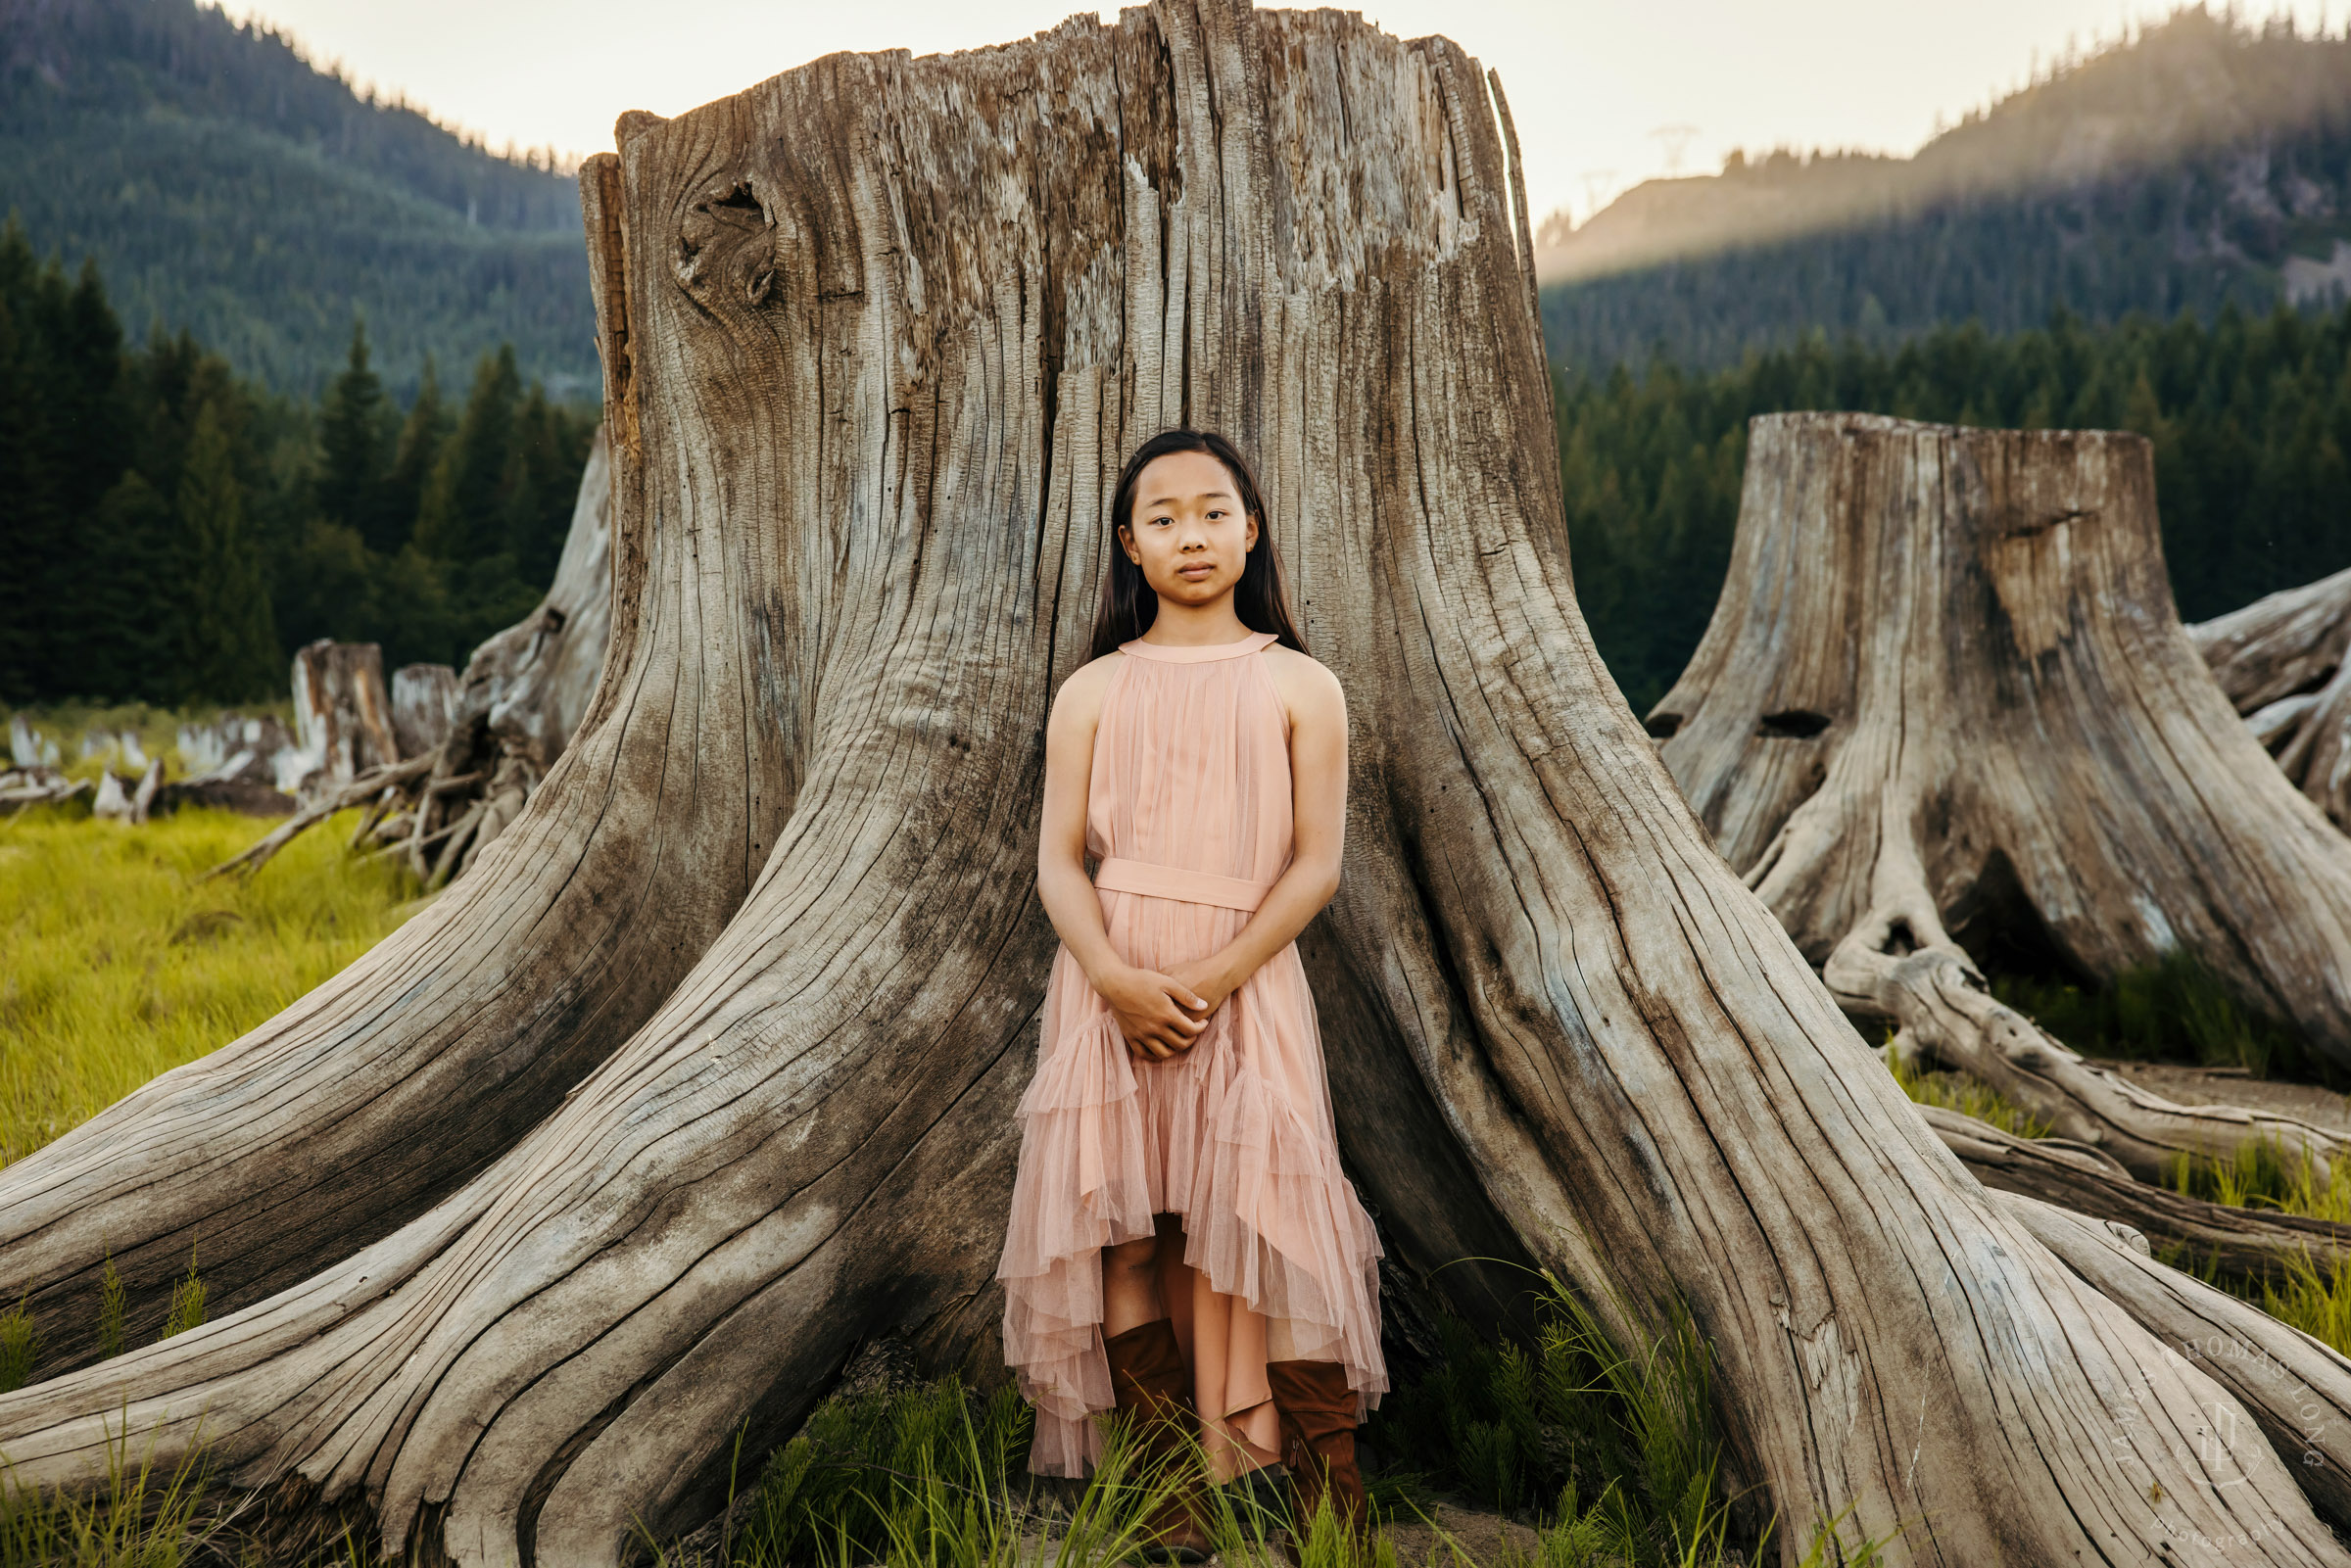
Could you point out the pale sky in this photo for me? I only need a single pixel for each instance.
(1590, 83)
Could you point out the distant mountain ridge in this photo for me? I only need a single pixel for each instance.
(2203, 163)
(227, 186)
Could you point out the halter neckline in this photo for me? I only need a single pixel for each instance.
(1254, 643)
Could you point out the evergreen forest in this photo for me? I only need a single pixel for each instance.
(172, 531)
(2250, 417)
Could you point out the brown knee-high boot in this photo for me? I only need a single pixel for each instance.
(1317, 1442)
(1147, 1371)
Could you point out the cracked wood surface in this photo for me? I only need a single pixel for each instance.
(379, 1094)
(1945, 708)
(2297, 1391)
(876, 333)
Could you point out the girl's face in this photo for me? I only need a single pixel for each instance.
(1188, 534)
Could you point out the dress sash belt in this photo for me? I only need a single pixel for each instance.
(1172, 881)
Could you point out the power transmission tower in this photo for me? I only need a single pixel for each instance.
(1675, 142)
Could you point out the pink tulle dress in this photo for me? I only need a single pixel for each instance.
(1188, 812)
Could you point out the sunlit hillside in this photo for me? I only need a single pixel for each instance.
(2201, 163)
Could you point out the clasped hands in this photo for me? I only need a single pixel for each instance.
(1163, 1015)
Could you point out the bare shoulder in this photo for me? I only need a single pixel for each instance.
(1310, 693)
(1080, 699)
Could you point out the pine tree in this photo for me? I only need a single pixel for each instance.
(31, 526)
(354, 462)
(158, 517)
(232, 651)
(464, 514)
(85, 393)
(540, 483)
(421, 436)
(136, 599)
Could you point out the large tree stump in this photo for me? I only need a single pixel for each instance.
(424, 707)
(342, 713)
(876, 333)
(2280, 661)
(1945, 708)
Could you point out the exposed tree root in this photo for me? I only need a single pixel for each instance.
(2297, 1390)
(366, 787)
(2280, 661)
(1947, 1016)
(2243, 1243)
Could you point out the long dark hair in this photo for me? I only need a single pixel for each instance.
(1129, 604)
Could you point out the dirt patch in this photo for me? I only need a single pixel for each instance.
(1484, 1537)
(2305, 1101)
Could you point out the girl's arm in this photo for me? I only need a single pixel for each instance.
(1157, 1014)
(1318, 828)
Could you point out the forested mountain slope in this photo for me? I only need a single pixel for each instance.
(226, 187)
(2203, 163)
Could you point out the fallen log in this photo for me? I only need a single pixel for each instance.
(2287, 643)
(243, 785)
(2241, 1243)
(37, 785)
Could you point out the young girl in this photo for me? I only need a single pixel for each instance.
(1184, 1242)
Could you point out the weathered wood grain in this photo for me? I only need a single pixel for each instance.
(1945, 707)
(2296, 1390)
(877, 332)
(2280, 661)
(379, 1094)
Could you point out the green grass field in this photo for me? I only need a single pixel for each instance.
(117, 964)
